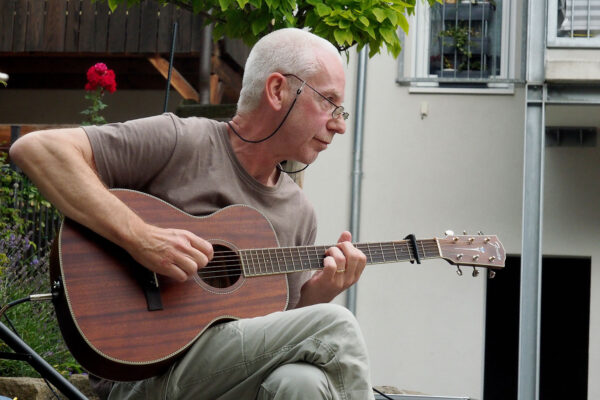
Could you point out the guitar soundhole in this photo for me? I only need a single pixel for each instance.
(224, 270)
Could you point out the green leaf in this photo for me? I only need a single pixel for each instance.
(343, 37)
(259, 25)
(242, 3)
(379, 14)
(371, 32)
(403, 22)
(388, 34)
(197, 6)
(112, 4)
(339, 37)
(344, 24)
(364, 20)
(225, 4)
(392, 16)
(323, 10)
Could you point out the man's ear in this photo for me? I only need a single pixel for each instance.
(276, 90)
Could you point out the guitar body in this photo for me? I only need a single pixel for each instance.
(102, 308)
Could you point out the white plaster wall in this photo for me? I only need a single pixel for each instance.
(459, 168)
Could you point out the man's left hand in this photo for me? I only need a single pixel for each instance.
(342, 266)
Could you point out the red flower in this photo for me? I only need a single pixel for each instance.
(99, 76)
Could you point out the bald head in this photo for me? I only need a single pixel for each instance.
(287, 50)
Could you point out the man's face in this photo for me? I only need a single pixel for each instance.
(312, 126)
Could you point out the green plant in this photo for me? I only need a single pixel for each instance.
(461, 34)
(24, 271)
(99, 80)
(344, 23)
(18, 196)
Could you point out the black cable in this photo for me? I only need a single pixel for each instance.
(384, 395)
(275, 131)
(280, 169)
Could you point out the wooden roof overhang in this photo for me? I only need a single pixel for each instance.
(52, 43)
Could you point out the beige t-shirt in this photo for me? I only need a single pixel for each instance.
(189, 163)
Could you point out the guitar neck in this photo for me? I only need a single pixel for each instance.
(285, 260)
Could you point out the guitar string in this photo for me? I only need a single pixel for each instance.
(286, 251)
(279, 257)
(238, 272)
(233, 258)
(384, 254)
(236, 269)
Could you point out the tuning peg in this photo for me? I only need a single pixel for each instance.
(491, 274)
(480, 233)
(475, 273)
(449, 233)
(465, 233)
(458, 270)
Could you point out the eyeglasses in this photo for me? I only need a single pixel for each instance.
(337, 112)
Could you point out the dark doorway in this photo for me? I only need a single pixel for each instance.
(564, 330)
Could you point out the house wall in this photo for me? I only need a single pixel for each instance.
(459, 168)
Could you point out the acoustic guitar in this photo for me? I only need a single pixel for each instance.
(123, 322)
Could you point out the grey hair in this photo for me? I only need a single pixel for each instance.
(288, 50)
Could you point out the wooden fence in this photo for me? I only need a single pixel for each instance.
(84, 26)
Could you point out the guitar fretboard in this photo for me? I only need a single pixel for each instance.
(284, 260)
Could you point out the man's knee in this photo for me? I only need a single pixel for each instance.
(295, 381)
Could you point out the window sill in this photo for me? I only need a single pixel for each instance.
(497, 89)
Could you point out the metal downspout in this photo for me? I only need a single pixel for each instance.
(533, 198)
(357, 163)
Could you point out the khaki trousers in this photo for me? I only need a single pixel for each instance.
(314, 352)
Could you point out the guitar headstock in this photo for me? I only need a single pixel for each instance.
(473, 250)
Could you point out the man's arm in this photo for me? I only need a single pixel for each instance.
(61, 164)
(342, 268)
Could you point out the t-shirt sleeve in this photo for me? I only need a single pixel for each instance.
(130, 154)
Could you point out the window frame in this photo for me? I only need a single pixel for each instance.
(554, 41)
(419, 78)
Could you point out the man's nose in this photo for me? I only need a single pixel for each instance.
(338, 125)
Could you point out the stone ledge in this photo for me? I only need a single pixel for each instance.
(36, 388)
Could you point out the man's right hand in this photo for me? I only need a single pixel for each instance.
(175, 253)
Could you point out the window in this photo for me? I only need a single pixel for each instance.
(464, 40)
(574, 23)
(462, 43)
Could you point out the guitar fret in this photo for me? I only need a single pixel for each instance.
(369, 251)
(277, 259)
(382, 253)
(261, 263)
(243, 263)
(410, 255)
(299, 259)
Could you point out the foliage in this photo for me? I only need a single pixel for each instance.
(24, 271)
(99, 80)
(344, 23)
(461, 35)
(20, 276)
(17, 197)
